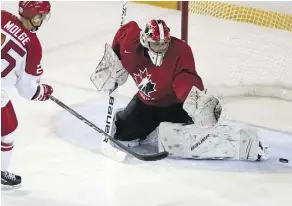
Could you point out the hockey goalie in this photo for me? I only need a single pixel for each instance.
(171, 106)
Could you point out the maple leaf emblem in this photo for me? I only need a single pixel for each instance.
(144, 82)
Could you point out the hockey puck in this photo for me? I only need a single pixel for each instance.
(283, 160)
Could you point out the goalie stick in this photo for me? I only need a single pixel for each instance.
(143, 157)
(106, 148)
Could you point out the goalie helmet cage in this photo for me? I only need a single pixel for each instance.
(241, 48)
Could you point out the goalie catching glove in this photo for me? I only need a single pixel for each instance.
(109, 71)
(205, 109)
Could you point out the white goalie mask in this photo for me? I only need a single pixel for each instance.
(156, 39)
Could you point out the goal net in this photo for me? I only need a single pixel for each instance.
(244, 49)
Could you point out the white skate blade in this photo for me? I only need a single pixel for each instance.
(112, 152)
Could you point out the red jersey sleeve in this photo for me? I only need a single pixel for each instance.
(124, 36)
(28, 82)
(34, 57)
(185, 76)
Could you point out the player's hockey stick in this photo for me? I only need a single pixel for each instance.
(143, 157)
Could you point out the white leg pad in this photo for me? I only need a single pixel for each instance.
(223, 142)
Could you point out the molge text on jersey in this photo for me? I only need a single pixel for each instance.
(17, 32)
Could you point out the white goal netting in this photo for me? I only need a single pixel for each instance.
(245, 49)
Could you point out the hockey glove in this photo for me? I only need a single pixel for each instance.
(205, 109)
(43, 92)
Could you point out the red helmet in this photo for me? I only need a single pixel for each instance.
(156, 38)
(29, 9)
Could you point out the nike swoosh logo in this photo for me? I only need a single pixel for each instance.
(127, 52)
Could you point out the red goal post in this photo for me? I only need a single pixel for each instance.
(184, 20)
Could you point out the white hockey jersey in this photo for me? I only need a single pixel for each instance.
(21, 54)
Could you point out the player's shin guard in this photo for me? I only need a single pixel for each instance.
(224, 142)
(7, 145)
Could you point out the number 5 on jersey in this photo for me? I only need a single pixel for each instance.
(10, 45)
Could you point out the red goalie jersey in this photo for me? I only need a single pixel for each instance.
(160, 83)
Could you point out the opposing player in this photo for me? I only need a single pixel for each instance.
(21, 55)
(170, 90)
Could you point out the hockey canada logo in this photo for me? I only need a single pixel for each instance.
(144, 83)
